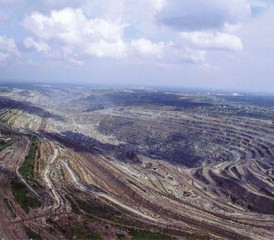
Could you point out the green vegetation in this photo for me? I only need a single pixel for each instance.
(101, 210)
(2, 143)
(97, 209)
(74, 230)
(3, 146)
(120, 236)
(23, 195)
(80, 232)
(74, 207)
(145, 235)
(6, 139)
(26, 170)
(32, 235)
(8, 206)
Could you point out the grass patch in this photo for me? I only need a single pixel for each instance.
(74, 206)
(4, 144)
(145, 235)
(27, 168)
(98, 209)
(74, 230)
(32, 235)
(23, 195)
(80, 232)
(120, 236)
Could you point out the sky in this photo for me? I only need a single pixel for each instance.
(214, 44)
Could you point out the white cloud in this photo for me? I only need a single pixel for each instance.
(210, 40)
(79, 35)
(3, 56)
(146, 47)
(199, 15)
(8, 48)
(194, 55)
(103, 48)
(115, 30)
(156, 5)
(38, 46)
(73, 28)
(144, 32)
(76, 61)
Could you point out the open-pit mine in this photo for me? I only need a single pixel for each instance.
(92, 163)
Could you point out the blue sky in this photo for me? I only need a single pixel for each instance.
(223, 44)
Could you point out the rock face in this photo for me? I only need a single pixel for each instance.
(115, 164)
